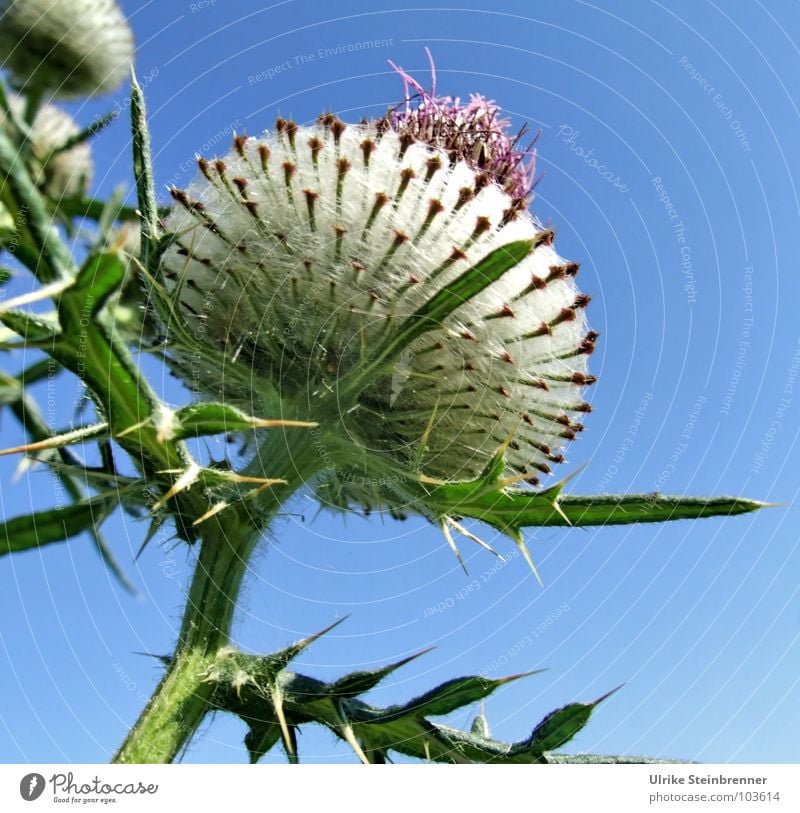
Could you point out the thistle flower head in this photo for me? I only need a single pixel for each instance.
(67, 47)
(301, 254)
(57, 172)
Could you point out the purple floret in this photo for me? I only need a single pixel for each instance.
(474, 132)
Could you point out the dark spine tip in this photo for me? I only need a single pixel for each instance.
(433, 165)
(238, 144)
(291, 132)
(544, 238)
(482, 225)
(368, 146)
(406, 140)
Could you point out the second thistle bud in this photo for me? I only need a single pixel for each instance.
(68, 48)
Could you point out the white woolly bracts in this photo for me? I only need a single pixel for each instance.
(300, 251)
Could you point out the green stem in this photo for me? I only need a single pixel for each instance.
(184, 695)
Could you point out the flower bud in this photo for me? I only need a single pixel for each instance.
(300, 253)
(66, 47)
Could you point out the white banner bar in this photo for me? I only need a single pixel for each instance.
(401, 788)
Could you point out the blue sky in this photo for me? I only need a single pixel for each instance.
(668, 170)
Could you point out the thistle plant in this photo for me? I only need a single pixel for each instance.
(372, 310)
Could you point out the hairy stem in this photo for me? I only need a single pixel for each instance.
(183, 697)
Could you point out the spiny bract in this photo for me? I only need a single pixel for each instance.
(66, 47)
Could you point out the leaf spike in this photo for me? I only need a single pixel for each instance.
(306, 642)
(155, 524)
(248, 478)
(606, 696)
(289, 743)
(213, 511)
(523, 549)
(464, 532)
(346, 730)
(520, 675)
(556, 489)
(24, 465)
(57, 441)
(45, 292)
(186, 480)
(505, 482)
(451, 542)
(133, 428)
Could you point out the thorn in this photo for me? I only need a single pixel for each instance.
(607, 695)
(520, 675)
(288, 741)
(45, 292)
(452, 544)
(185, 481)
(349, 735)
(505, 482)
(464, 532)
(213, 511)
(155, 524)
(165, 659)
(57, 441)
(306, 642)
(263, 482)
(523, 548)
(133, 428)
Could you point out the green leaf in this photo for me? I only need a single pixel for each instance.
(29, 326)
(432, 314)
(559, 727)
(461, 290)
(453, 695)
(54, 525)
(99, 277)
(511, 509)
(261, 738)
(361, 682)
(210, 418)
(246, 685)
